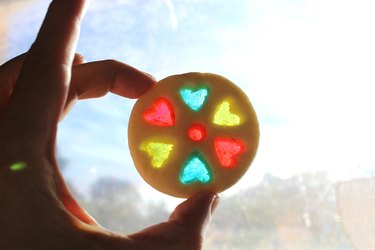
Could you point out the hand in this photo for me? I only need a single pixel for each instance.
(36, 90)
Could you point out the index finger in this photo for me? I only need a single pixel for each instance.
(42, 86)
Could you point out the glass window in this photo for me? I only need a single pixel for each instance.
(308, 67)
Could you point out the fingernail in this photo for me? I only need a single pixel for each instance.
(202, 199)
(85, 7)
(204, 195)
(215, 203)
(150, 76)
(145, 85)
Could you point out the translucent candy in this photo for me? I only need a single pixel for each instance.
(197, 132)
(227, 149)
(194, 99)
(161, 113)
(224, 117)
(158, 151)
(195, 169)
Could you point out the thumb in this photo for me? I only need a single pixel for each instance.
(185, 227)
(196, 212)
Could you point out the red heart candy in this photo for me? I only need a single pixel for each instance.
(160, 113)
(227, 149)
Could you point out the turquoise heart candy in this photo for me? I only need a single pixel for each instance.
(194, 98)
(195, 169)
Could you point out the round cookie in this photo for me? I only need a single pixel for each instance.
(191, 132)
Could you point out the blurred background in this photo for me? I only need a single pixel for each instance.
(308, 67)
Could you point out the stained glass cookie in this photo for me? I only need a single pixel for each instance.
(191, 132)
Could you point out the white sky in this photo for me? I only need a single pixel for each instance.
(308, 66)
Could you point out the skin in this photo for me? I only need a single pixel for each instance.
(37, 89)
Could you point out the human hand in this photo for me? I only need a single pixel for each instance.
(36, 90)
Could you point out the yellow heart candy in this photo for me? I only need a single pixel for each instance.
(224, 117)
(158, 151)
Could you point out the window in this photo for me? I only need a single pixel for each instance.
(308, 67)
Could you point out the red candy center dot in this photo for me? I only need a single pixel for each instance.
(196, 132)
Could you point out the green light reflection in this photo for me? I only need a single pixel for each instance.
(18, 166)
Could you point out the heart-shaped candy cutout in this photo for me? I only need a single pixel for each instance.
(224, 117)
(227, 150)
(158, 151)
(194, 98)
(161, 113)
(195, 169)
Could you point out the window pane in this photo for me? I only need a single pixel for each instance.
(308, 67)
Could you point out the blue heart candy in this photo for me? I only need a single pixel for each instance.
(195, 169)
(194, 98)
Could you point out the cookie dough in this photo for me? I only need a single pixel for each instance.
(191, 132)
